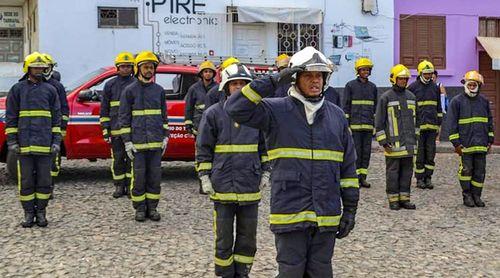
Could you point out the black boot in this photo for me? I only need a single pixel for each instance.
(478, 201)
(153, 214)
(29, 219)
(421, 184)
(428, 183)
(41, 220)
(363, 182)
(468, 201)
(118, 190)
(140, 214)
(407, 205)
(394, 205)
(126, 191)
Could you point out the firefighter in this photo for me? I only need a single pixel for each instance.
(471, 133)
(214, 95)
(281, 64)
(233, 168)
(315, 190)
(396, 131)
(33, 129)
(110, 122)
(429, 117)
(195, 97)
(360, 101)
(144, 131)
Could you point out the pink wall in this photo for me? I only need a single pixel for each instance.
(462, 27)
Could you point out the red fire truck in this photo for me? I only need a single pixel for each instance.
(84, 136)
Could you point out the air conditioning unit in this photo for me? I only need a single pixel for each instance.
(369, 7)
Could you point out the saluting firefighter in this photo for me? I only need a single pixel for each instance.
(315, 191)
(196, 94)
(360, 102)
(33, 129)
(144, 130)
(233, 168)
(429, 117)
(52, 80)
(110, 122)
(214, 95)
(471, 133)
(396, 131)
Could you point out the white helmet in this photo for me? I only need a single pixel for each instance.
(312, 60)
(234, 72)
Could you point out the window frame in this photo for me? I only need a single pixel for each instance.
(431, 54)
(100, 24)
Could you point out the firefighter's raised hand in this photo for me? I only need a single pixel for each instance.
(130, 150)
(265, 180)
(285, 75)
(206, 185)
(458, 150)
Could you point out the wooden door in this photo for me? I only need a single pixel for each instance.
(491, 89)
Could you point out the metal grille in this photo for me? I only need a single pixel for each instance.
(294, 37)
(117, 17)
(11, 45)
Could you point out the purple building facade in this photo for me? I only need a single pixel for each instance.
(464, 52)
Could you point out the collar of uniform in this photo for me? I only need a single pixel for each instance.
(398, 89)
(361, 80)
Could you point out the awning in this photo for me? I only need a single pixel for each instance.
(492, 46)
(283, 15)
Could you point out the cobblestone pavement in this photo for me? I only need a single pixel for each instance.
(90, 234)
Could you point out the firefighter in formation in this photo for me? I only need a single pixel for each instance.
(360, 101)
(110, 122)
(33, 128)
(315, 190)
(429, 117)
(471, 133)
(233, 168)
(144, 131)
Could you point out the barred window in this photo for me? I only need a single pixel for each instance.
(11, 45)
(110, 17)
(294, 37)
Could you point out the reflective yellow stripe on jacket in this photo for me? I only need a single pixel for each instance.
(362, 102)
(427, 103)
(305, 154)
(146, 112)
(35, 113)
(464, 121)
(37, 149)
(304, 216)
(236, 197)
(236, 148)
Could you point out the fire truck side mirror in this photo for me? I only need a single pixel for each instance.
(87, 95)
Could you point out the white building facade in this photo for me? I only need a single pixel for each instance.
(85, 35)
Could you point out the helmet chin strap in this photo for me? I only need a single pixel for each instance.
(471, 93)
(425, 81)
(315, 99)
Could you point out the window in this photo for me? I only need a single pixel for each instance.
(294, 37)
(489, 27)
(175, 84)
(11, 45)
(422, 37)
(110, 17)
